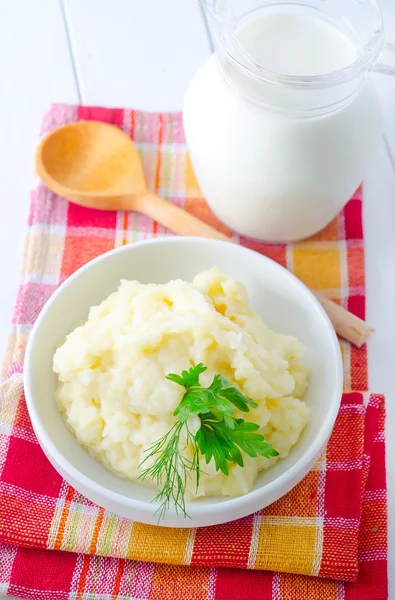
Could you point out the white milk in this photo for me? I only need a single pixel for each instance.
(277, 162)
(297, 44)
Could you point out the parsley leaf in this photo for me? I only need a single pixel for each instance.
(223, 443)
(221, 394)
(189, 378)
(225, 388)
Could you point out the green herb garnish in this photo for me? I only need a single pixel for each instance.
(220, 437)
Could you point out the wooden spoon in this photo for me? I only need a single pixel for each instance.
(96, 165)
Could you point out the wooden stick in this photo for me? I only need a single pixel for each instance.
(347, 325)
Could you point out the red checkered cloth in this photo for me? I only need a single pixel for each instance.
(52, 575)
(57, 544)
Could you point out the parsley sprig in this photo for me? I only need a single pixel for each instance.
(221, 437)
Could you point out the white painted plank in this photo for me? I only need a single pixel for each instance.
(384, 83)
(35, 70)
(136, 54)
(379, 223)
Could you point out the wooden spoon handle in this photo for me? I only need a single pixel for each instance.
(174, 218)
(347, 325)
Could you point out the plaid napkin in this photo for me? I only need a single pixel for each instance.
(51, 575)
(315, 530)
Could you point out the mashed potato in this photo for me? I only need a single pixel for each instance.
(112, 388)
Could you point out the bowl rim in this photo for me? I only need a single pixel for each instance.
(193, 509)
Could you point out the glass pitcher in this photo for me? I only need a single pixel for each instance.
(282, 121)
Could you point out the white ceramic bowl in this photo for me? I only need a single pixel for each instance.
(284, 303)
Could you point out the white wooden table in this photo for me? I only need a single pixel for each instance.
(142, 54)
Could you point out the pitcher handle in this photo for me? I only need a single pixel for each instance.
(387, 67)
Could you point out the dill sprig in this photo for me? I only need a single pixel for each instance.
(171, 469)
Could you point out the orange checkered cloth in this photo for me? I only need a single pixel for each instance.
(54, 543)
